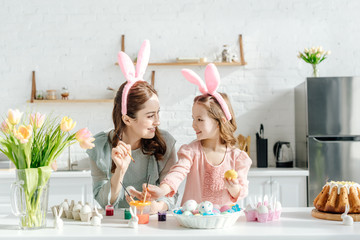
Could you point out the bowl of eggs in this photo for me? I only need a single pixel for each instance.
(205, 215)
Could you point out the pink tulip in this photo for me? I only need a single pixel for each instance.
(14, 116)
(23, 133)
(37, 119)
(85, 139)
(5, 126)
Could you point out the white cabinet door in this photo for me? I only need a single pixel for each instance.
(290, 191)
(258, 187)
(71, 188)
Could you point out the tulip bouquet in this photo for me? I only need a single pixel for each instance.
(314, 56)
(33, 144)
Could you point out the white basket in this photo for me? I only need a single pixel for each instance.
(213, 221)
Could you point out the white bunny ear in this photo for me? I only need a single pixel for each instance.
(60, 211)
(192, 77)
(143, 59)
(127, 66)
(55, 211)
(212, 78)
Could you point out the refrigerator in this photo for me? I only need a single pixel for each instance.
(327, 131)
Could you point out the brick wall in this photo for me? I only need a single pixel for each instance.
(75, 44)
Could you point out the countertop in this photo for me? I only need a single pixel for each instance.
(254, 172)
(295, 223)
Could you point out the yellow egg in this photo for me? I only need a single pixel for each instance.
(232, 174)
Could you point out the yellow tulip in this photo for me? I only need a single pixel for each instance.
(23, 133)
(14, 116)
(67, 124)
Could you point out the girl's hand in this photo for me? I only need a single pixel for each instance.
(154, 192)
(233, 186)
(156, 207)
(120, 155)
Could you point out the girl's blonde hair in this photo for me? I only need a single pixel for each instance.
(215, 111)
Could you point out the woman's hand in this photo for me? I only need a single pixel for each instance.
(155, 192)
(233, 186)
(120, 156)
(134, 194)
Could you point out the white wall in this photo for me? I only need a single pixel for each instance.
(74, 43)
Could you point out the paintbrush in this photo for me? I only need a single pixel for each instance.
(147, 184)
(127, 192)
(126, 150)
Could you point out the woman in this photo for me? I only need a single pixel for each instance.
(136, 120)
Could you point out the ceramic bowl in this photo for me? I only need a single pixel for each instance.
(214, 221)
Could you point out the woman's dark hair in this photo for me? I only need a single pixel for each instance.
(139, 93)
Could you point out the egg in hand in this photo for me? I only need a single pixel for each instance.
(231, 174)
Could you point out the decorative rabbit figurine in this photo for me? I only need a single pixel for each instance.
(96, 220)
(58, 222)
(347, 220)
(134, 221)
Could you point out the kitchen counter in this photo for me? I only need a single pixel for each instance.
(295, 223)
(254, 172)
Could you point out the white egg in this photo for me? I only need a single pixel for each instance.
(262, 209)
(85, 209)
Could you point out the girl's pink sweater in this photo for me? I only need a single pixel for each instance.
(205, 182)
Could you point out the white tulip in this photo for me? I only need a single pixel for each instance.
(328, 53)
(306, 50)
(318, 55)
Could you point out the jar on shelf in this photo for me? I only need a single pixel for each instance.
(225, 54)
(39, 95)
(65, 93)
(51, 94)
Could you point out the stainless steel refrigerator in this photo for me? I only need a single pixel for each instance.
(327, 130)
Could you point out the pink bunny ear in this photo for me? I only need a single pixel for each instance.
(192, 77)
(127, 66)
(143, 59)
(212, 78)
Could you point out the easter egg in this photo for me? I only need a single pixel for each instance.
(225, 208)
(231, 174)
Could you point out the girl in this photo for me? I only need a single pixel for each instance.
(136, 120)
(205, 160)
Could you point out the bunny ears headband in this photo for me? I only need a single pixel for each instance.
(212, 80)
(132, 76)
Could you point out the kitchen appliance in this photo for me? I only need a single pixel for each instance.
(283, 154)
(327, 130)
(261, 148)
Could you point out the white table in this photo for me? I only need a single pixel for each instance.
(295, 223)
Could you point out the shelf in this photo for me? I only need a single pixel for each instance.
(195, 64)
(74, 101)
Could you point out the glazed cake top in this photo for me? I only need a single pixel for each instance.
(341, 184)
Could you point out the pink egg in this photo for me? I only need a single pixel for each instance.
(225, 208)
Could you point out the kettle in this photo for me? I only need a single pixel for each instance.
(283, 154)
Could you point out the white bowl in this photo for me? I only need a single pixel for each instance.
(213, 221)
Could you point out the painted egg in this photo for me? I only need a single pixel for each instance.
(205, 207)
(225, 208)
(189, 205)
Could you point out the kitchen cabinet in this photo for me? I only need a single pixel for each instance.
(287, 185)
(71, 185)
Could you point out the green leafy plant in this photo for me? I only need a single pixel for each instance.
(33, 144)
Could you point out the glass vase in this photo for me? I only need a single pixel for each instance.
(315, 70)
(29, 197)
